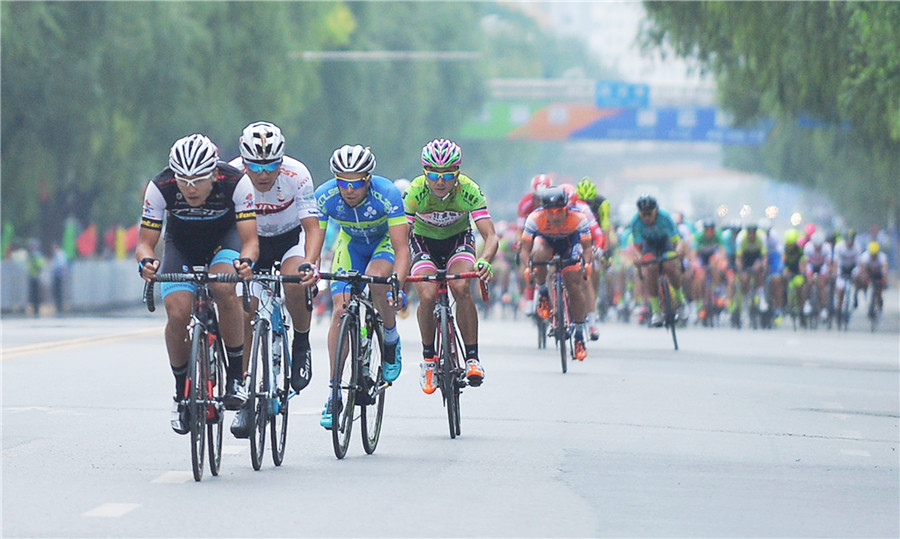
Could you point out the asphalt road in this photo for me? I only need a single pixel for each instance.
(739, 433)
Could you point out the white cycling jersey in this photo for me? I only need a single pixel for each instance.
(847, 256)
(817, 259)
(291, 199)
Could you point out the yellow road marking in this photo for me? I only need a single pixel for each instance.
(19, 351)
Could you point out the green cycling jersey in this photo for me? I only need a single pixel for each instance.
(437, 218)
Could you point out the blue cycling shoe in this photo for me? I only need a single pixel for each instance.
(392, 370)
(327, 413)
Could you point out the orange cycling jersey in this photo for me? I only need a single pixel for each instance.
(574, 226)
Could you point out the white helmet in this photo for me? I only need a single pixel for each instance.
(262, 141)
(402, 184)
(352, 159)
(194, 155)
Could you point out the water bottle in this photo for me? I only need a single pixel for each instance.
(364, 341)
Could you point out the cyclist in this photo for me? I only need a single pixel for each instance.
(599, 241)
(818, 269)
(775, 263)
(846, 255)
(655, 237)
(709, 249)
(528, 204)
(792, 277)
(372, 240)
(438, 207)
(555, 229)
(751, 260)
(210, 219)
(287, 222)
(873, 267)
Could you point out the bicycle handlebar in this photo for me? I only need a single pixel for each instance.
(441, 276)
(194, 277)
(561, 263)
(354, 277)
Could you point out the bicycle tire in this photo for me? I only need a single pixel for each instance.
(281, 399)
(668, 306)
(541, 331)
(196, 392)
(259, 391)
(559, 305)
(343, 386)
(447, 372)
(372, 378)
(215, 408)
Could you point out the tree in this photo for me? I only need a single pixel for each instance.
(827, 72)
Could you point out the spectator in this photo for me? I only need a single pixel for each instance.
(35, 267)
(60, 267)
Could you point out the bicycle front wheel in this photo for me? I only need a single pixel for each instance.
(278, 403)
(198, 364)
(372, 390)
(215, 408)
(344, 385)
(447, 354)
(561, 325)
(668, 306)
(259, 391)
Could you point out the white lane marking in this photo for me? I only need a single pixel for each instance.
(110, 510)
(855, 452)
(174, 477)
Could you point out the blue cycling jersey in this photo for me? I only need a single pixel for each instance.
(368, 221)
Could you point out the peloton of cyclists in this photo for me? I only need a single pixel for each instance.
(438, 206)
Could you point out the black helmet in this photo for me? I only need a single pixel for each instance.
(554, 197)
(709, 223)
(646, 203)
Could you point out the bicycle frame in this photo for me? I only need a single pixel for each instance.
(562, 326)
(450, 372)
(666, 300)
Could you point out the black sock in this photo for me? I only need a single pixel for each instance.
(428, 351)
(301, 339)
(180, 377)
(235, 362)
(472, 351)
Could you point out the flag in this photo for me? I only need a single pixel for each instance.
(131, 238)
(6, 239)
(120, 243)
(87, 241)
(68, 239)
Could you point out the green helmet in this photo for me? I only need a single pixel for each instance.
(586, 189)
(791, 236)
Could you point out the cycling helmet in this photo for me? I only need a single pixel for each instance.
(791, 236)
(709, 223)
(571, 192)
(262, 141)
(554, 197)
(194, 155)
(751, 227)
(441, 153)
(851, 234)
(402, 184)
(587, 190)
(874, 248)
(810, 229)
(818, 238)
(352, 159)
(541, 181)
(646, 203)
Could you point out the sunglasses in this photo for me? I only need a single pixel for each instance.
(258, 168)
(193, 181)
(358, 183)
(446, 176)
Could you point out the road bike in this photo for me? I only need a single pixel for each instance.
(560, 327)
(666, 299)
(359, 380)
(270, 365)
(450, 371)
(843, 314)
(205, 383)
(875, 303)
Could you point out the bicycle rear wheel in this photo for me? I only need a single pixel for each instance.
(198, 365)
(372, 390)
(259, 392)
(215, 408)
(344, 385)
(278, 403)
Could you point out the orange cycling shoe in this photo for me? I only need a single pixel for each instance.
(427, 377)
(580, 350)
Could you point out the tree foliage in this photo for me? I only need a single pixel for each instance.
(828, 73)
